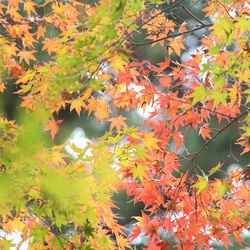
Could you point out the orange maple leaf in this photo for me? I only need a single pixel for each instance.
(13, 3)
(243, 141)
(77, 105)
(165, 81)
(29, 7)
(176, 45)
(178, 139)
(87, 93)
(205, 132)
(27, 56)
(53, 127)
(102, 109)
(51, 45)
(2, 88)
(28, 40)
(27, 102)
(40, 32)
(118, 123)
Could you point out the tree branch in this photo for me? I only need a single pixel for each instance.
(200, 107)
(197, 153)
(171, 36)
(122, 38)
(219, 132)
(191, 14)
(156, 15)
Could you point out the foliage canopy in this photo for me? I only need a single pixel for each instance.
(72, 55)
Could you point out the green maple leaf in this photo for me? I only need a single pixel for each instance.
(200, 94)
(215, 168)
(139, 172)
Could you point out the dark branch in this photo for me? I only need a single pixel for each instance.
(191, 14)
(144, 23)
(162, 11)
(219, 132)
(197, 153)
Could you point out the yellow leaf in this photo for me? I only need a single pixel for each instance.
(233, 94)
(117, 63)
(139, 172)
(216, 168)
(29, 7)
(150, 141)
(13, 224)
(202, 184)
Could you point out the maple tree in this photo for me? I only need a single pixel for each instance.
(79, 56)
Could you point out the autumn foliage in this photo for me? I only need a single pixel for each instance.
(60, 55)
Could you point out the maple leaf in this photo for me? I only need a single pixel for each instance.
(77, 104)
(87, 93)
(205, 131)
(135, 233)
(118, 123)
(202, 184)
(27, 102)
(165, 81)
(163, 245)
(51, 45)
(122, 242)
(200, 94)
(215, 168)
(16, 70)
(12, 3)
(178, 139)
(162, 66)
(139, 172)
(243, 141)
(27, 56)
(13, 224)
(176, 45)
(85, 44)
(29, 7)
(100, 106)
(2, 88)
(28, 40)
(150, 141)
(40, 32)
(57, 157)
(53, 127)
(117, 63)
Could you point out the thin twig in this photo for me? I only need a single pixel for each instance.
(191, 14)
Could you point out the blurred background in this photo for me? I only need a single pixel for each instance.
(82, 129)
